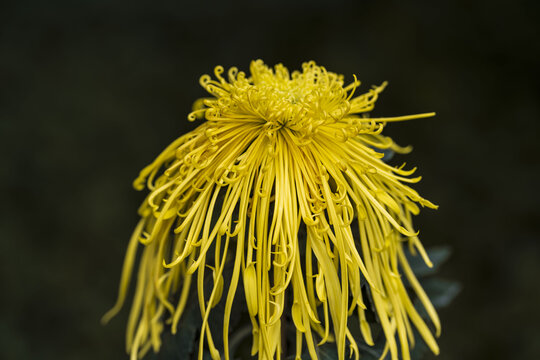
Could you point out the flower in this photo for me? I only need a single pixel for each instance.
(279, 152)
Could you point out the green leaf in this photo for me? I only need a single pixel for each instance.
(182, 344)
(437, 255)
(327, 352)
(420, 348)
(441, 292)
(370, 352)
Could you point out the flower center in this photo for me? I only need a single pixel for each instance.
(274, 100)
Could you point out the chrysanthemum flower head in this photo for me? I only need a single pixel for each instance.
(279, 152)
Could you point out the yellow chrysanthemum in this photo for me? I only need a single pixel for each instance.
(279, 152)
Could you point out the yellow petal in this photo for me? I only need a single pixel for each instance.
(387, 200)
(320, 287)
(219, 289)
(250, 286)
(297, 316)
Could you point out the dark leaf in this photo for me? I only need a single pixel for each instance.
(327, 351)
(437, 255)
(420, 348)
(441, 292)
(181, 345)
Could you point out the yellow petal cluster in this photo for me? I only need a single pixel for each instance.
(279, 152)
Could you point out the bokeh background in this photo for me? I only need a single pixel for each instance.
(91, 91)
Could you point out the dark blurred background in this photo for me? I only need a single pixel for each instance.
(91, 91)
